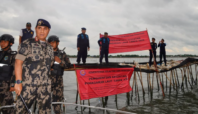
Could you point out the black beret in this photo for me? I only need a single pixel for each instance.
(83, 28)
(42, 22)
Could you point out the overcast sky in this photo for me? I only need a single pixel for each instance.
(174, 20)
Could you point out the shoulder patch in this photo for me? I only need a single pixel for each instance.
(13, 52)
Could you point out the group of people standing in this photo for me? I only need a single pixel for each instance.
(152, 53)
(35, 71)
(83, 47)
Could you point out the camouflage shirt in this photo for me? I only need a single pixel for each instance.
(37, 61)
(9, 59)
(63, 57)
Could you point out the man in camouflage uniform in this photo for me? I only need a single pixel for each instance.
(33, 65)
(60, 64)
(7, 56)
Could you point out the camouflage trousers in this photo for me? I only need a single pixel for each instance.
(6, 97)
(41, 94)
(57, 92)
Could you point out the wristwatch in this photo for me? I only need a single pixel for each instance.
(18, 82)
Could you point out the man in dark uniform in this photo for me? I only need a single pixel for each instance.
(26, 33)
(32, 70)
(82, 46)
(7, 59)
(62, 62)
(153, 49)
(104, 46)
(162, 46)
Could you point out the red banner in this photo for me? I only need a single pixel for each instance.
(94, 83)
(129, 42)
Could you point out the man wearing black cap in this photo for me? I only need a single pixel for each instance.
(82, 46)
(32, 69)
(26, 33)
(104, 46)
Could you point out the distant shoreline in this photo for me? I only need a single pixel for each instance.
(136, 57)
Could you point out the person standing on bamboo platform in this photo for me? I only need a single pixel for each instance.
(152, 51)
(61, 62)
(104, 46)
(162, 46)
(26, 33)
(82, 46)
(7, 57)
(32, 70)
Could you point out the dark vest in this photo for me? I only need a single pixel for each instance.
(105, 43)
(154, 46)
(162, 47)
(83, 40)
(27, 34)
(6, 71)
(57, 69)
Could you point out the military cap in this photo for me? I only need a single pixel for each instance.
(7, 37)
(53, 38)
(42, 22)
(83, 28)
(28, 24)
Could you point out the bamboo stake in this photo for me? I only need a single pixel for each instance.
(157, 81)
(152, 84)
(132, 87)
(161, 85)
(116, 97)
(148, 83)
(189, 77)
(182, 84)
(77, 87)
(177, 78)
(196, 73)
(137, 87)
(166, 80)
(141, 84)
(170, 83)
(185, 78)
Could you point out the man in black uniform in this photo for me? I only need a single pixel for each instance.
(153, 48)
(7, 60)
(82, 46)
(62, 62)
(162, 51)
(104, 46)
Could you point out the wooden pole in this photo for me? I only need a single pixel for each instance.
(78, 87)
(141, 84)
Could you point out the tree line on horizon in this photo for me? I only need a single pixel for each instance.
(135, 55)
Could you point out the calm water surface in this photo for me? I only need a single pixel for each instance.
(182, 103)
